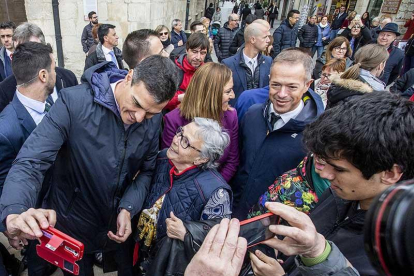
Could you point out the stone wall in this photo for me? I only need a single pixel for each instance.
(126, 15)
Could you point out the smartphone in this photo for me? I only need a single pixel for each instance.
(256, 230)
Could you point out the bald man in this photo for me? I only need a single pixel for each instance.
(250, 68)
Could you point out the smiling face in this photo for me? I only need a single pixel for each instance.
(135, 102)
(181, 152)
(228, 94)
(324, 20)
(287, 86)
(340, 51)
(163, 34)
(355, 31)
(386, 38)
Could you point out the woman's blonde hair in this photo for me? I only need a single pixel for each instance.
(204, 94)
(162, 27)
(368, 58)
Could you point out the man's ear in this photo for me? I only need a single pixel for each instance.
(308, 83)
(391, 176)
(128, 77)
(43, 75)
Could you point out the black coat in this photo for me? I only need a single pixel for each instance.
(87, 37)
(403, 83)
(237, 42)
(209, 13)
(374, 33)
(222, 42)
(363, 39)
(393, 65)
(308, 35)
(64, 79)
(245, 12)
(338, 21)
(96, 161)
(285, 36)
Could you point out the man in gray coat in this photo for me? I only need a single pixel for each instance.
(87, 38)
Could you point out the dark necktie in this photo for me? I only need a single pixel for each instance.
(47, 106)
(273, 119)
(49, 100)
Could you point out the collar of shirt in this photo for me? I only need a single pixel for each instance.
(8, 53)
(106, 50)
(54, 95)
(250, 62)
(288, 115)
(35, 108)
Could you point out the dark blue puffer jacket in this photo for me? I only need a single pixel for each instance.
(186, 193)
(284, 37)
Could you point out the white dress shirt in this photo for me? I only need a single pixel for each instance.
(286, 116)
(35, 108)
(108, 56)
(250, 62)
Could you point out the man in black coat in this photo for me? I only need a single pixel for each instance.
(225, 36)
(244, 13)
(238, 39)
(286, 34)
(87, 38)
(106, 50)
(209, 12)
(100, 176)
(308, 35)
(386, 38)
(338, 21)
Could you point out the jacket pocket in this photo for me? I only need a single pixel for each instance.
(72, 201)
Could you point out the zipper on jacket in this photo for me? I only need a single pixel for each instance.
(119, 178)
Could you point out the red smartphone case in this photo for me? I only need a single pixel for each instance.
(247, 221)
(60, 249)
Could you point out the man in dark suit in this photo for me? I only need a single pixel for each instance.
(34, 67)
(64, 78)
(250, 68)
(338, 21)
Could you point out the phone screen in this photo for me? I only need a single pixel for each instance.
(257, 230)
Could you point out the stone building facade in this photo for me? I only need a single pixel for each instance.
(126, 15)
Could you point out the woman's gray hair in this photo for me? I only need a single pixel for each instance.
(215, 141)
(25, 31)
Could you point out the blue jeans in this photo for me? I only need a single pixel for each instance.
(333, 33)
(318, 49)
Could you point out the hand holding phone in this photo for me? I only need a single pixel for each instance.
(256, 230)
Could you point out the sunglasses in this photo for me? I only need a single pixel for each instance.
(164, 33)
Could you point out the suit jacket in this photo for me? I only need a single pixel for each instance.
(16, 124)
(338, 21)
(239, 73)
(64, 78)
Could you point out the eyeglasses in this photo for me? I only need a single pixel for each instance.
(164, 33)
(340, 49)
(356, 27)
(184, 140)
(324, 75)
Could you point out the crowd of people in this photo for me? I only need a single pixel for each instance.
(155, 157)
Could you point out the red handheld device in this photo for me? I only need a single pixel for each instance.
(60, 249)
(256, 230)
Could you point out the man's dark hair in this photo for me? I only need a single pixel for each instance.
(103, 30)
(137, 46)
(197, 40)
(194, 24)
(90, 14)
(372, 132)
(28, 59)
(160, 76)
(250, 18)
(292, 12)
(7, 25)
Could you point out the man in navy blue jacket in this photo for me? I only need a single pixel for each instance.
(271, 133)
(286, 34)
(102, 139)
(6, 52)
(250, 68)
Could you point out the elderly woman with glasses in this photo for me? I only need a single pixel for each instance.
(357, 34)
(337, 48)
(186, 185)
